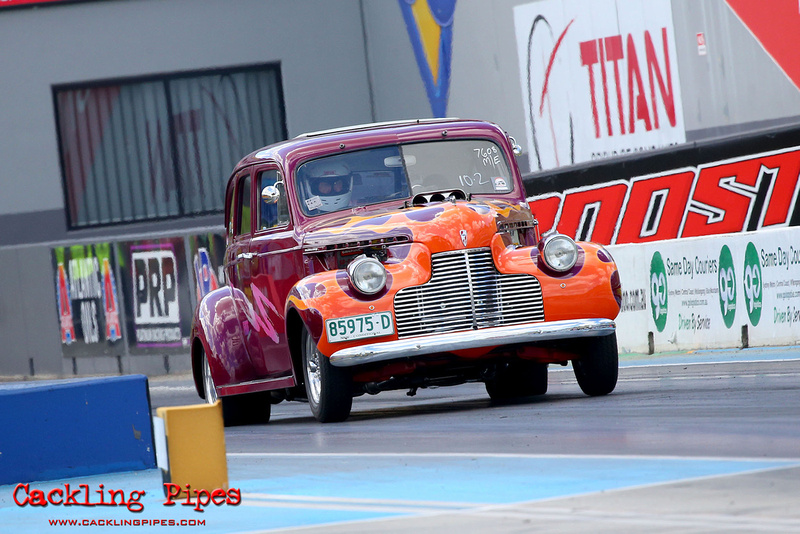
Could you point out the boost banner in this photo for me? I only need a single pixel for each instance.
(746, 193)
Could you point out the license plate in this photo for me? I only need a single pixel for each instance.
(359, 326)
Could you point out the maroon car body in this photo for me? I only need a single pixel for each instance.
(320, 282)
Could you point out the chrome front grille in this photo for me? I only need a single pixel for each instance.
(466, 292)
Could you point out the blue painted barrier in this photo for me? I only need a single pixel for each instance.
(67, 428)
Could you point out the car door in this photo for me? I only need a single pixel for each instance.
(275, 264)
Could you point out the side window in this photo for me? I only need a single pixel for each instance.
(243, 192)
(272, 214)
(232, 215)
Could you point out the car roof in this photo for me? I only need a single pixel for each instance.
(326, 141)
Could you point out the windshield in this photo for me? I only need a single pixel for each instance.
(344, 181)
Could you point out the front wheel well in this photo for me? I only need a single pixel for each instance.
(197, 366)
(294, 329)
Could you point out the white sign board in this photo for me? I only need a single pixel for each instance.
(599, 78)
(710, 292)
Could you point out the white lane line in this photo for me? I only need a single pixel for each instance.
(393, 506)
(361, 500)
(169, 389)
(787, 461)
(711, 522)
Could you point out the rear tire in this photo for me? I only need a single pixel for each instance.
(329, 388)
(520, 378)
(249, 408)
(598, 366)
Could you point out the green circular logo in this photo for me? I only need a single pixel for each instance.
(752, 284)
(727, 286)
(658, 291)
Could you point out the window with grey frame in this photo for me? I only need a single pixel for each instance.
(159, 149)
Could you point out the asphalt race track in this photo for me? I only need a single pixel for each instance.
(689, 445)
(691, 442)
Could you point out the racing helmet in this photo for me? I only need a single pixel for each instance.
(329, 186)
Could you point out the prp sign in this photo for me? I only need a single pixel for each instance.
(599, 78)
(155, 295)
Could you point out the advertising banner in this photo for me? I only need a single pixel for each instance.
(208, 257)
(157, 288)
(713, 292)
(599, 78)
(87, 297)
(747, 193)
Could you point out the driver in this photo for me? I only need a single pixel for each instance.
(328, 186)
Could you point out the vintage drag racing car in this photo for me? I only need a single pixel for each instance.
(396, 256)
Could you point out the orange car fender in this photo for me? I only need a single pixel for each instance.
(330, 295)
(591, 289)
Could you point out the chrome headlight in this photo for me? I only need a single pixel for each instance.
(367, 275)
(560, 252)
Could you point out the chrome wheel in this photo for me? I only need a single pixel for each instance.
(313, 374)
(208, 383)
(329, 389)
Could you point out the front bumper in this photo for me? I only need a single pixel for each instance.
(488, 337)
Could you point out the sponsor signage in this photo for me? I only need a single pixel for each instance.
(157, 290)
(753, 192)
(711, 292)
(88, 300)
(208, 258)
(599, 78)
(159, 293)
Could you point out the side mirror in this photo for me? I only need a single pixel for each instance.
(515, 147)
(270, 194)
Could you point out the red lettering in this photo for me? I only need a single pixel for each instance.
(172, 491)
(655, 208)
(70, 496)
(635, 76)
(203, 499)
(220, 494)
(784, 187)
(52, 499)
(589, 58)
(26, 487)
(591, 215)
(667, 94)
(545, 210)
(735, 196)
(614, 53)
(722, 198)
(234, 497)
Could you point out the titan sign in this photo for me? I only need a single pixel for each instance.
(599, 78)
(737, 195)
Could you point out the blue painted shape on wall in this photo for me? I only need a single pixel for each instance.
(434, 59)
(67, 428)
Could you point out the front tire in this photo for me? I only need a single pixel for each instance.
(250, 408)
(521, 378)
(329, 388)
(598, 366)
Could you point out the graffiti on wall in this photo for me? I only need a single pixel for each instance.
(599, 78)
(430, 28)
